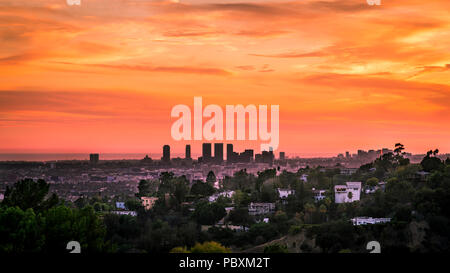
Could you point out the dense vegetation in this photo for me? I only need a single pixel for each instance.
(415, 196)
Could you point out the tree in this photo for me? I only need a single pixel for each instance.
(211, 178)
(323, 210)
(372, 182)
(166, 185)
(20, 231)
(63, 224)
(240, 198)
(27, 194)
(201, 188)
(240, 216)
(399, 149)
(208, 213)
(133, 204)
(263, 176)
(143, 188)
(275, 248)
(181, 189)
(430, 163)
(309, 211)
(209, 247)
(268, 192)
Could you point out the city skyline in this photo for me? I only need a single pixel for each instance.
(104, 76)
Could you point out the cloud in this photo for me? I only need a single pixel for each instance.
(168, 69)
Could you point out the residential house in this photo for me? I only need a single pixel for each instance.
(228, 194)
(369, 220)
(347, 193)
(283, 193)
(148, 202)
(261, 208)
(319, 194)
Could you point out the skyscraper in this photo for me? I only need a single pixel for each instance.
(166, 153)
(206, 153)
(282, 155)
(218, 152)
(93, 158)
(230, 152)
(188, 151)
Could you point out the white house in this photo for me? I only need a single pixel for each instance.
(124, 212)
(348, 171)
(369, 220)
(319, 194)
(214, 197)
(304, 177)
(283, 193)
(347, 193)
(260, 208)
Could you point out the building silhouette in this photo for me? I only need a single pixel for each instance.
(206, 152)
(94, 158)
(230, 152)
(218, 152)
(166, 154)
(188, 151)
(282, 156)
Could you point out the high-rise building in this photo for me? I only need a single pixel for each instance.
(166, 153)
(267, 157)
(188, 151)
(93, 158)
(230, 152)
(347, 154)
(282, 155)
(246, 156)
(206, 152)
(218, 152)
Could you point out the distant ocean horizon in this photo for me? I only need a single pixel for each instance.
(72, 156)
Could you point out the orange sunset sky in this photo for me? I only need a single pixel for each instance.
(104, 76)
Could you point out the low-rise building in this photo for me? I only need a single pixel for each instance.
(304, 177)
(319, 194)
(148, 202)
(214, 197)
(348, 171)
(369, 220)
(283, 193)
(260, 208)
(347, 193)
(120, 205)
(124, 212)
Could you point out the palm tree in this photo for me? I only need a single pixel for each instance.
(310, 209)
(323, 210)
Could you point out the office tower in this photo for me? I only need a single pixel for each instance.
(93, 158)
(347, 154)
(188, 151)
(166, 153)
(267, 157)
(230, 152)
(218, 152)
(282, 155)
(206, 153)
(246, 156)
